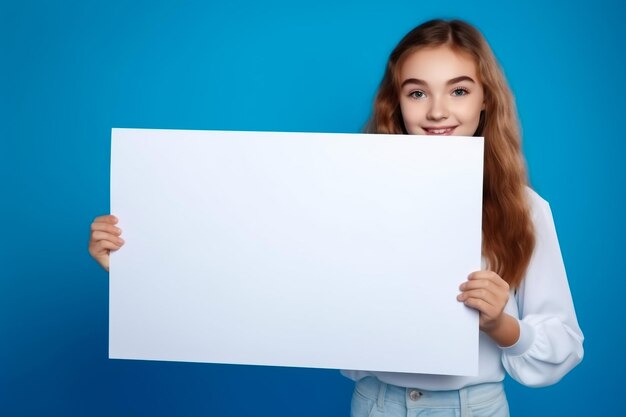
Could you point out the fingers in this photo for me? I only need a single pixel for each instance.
(486, 278)
(100, 248)
(104, 238)
(103, 228)
(106, 246)
(106, 227)
(487, 310)
(486, 296)
(108, 218)
(98, 236)
(486, 292)
(485, 285)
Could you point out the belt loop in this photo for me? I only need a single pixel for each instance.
(382, 389)
(464, 402)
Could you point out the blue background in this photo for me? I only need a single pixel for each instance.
(71, 70)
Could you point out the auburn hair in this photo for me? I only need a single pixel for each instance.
(508, 233)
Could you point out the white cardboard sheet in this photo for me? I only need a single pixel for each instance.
(296, 249)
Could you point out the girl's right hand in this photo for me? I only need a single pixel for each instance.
(105, 237)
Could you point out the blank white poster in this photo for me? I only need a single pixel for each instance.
(314, 250)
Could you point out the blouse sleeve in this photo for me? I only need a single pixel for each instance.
(551, 342)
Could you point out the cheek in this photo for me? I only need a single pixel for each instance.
(411, 117)
(471, 114)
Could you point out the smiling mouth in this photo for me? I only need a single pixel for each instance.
(439, 130)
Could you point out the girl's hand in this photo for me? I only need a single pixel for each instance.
(488, 293)
(105, 237)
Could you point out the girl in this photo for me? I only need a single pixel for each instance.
(443, 79)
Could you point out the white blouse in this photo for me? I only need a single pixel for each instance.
(550, 343)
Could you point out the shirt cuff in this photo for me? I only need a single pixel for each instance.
(525, 341)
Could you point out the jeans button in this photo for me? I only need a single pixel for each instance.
(414, 395)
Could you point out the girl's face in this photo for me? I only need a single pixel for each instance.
(440, 93)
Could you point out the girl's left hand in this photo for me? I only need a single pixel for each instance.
(488, 293)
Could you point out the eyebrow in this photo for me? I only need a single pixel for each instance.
(450, 82)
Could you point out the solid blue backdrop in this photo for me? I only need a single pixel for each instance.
(72, 70)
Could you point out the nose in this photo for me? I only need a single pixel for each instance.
(438, 109)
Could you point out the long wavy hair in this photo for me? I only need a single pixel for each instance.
(508, 233)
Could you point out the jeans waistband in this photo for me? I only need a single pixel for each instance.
(371, 387)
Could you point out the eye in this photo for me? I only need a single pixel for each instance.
(460, 91)
(417, 94)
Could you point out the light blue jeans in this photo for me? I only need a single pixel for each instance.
(373, 398)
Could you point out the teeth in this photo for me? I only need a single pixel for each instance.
(438, 131)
